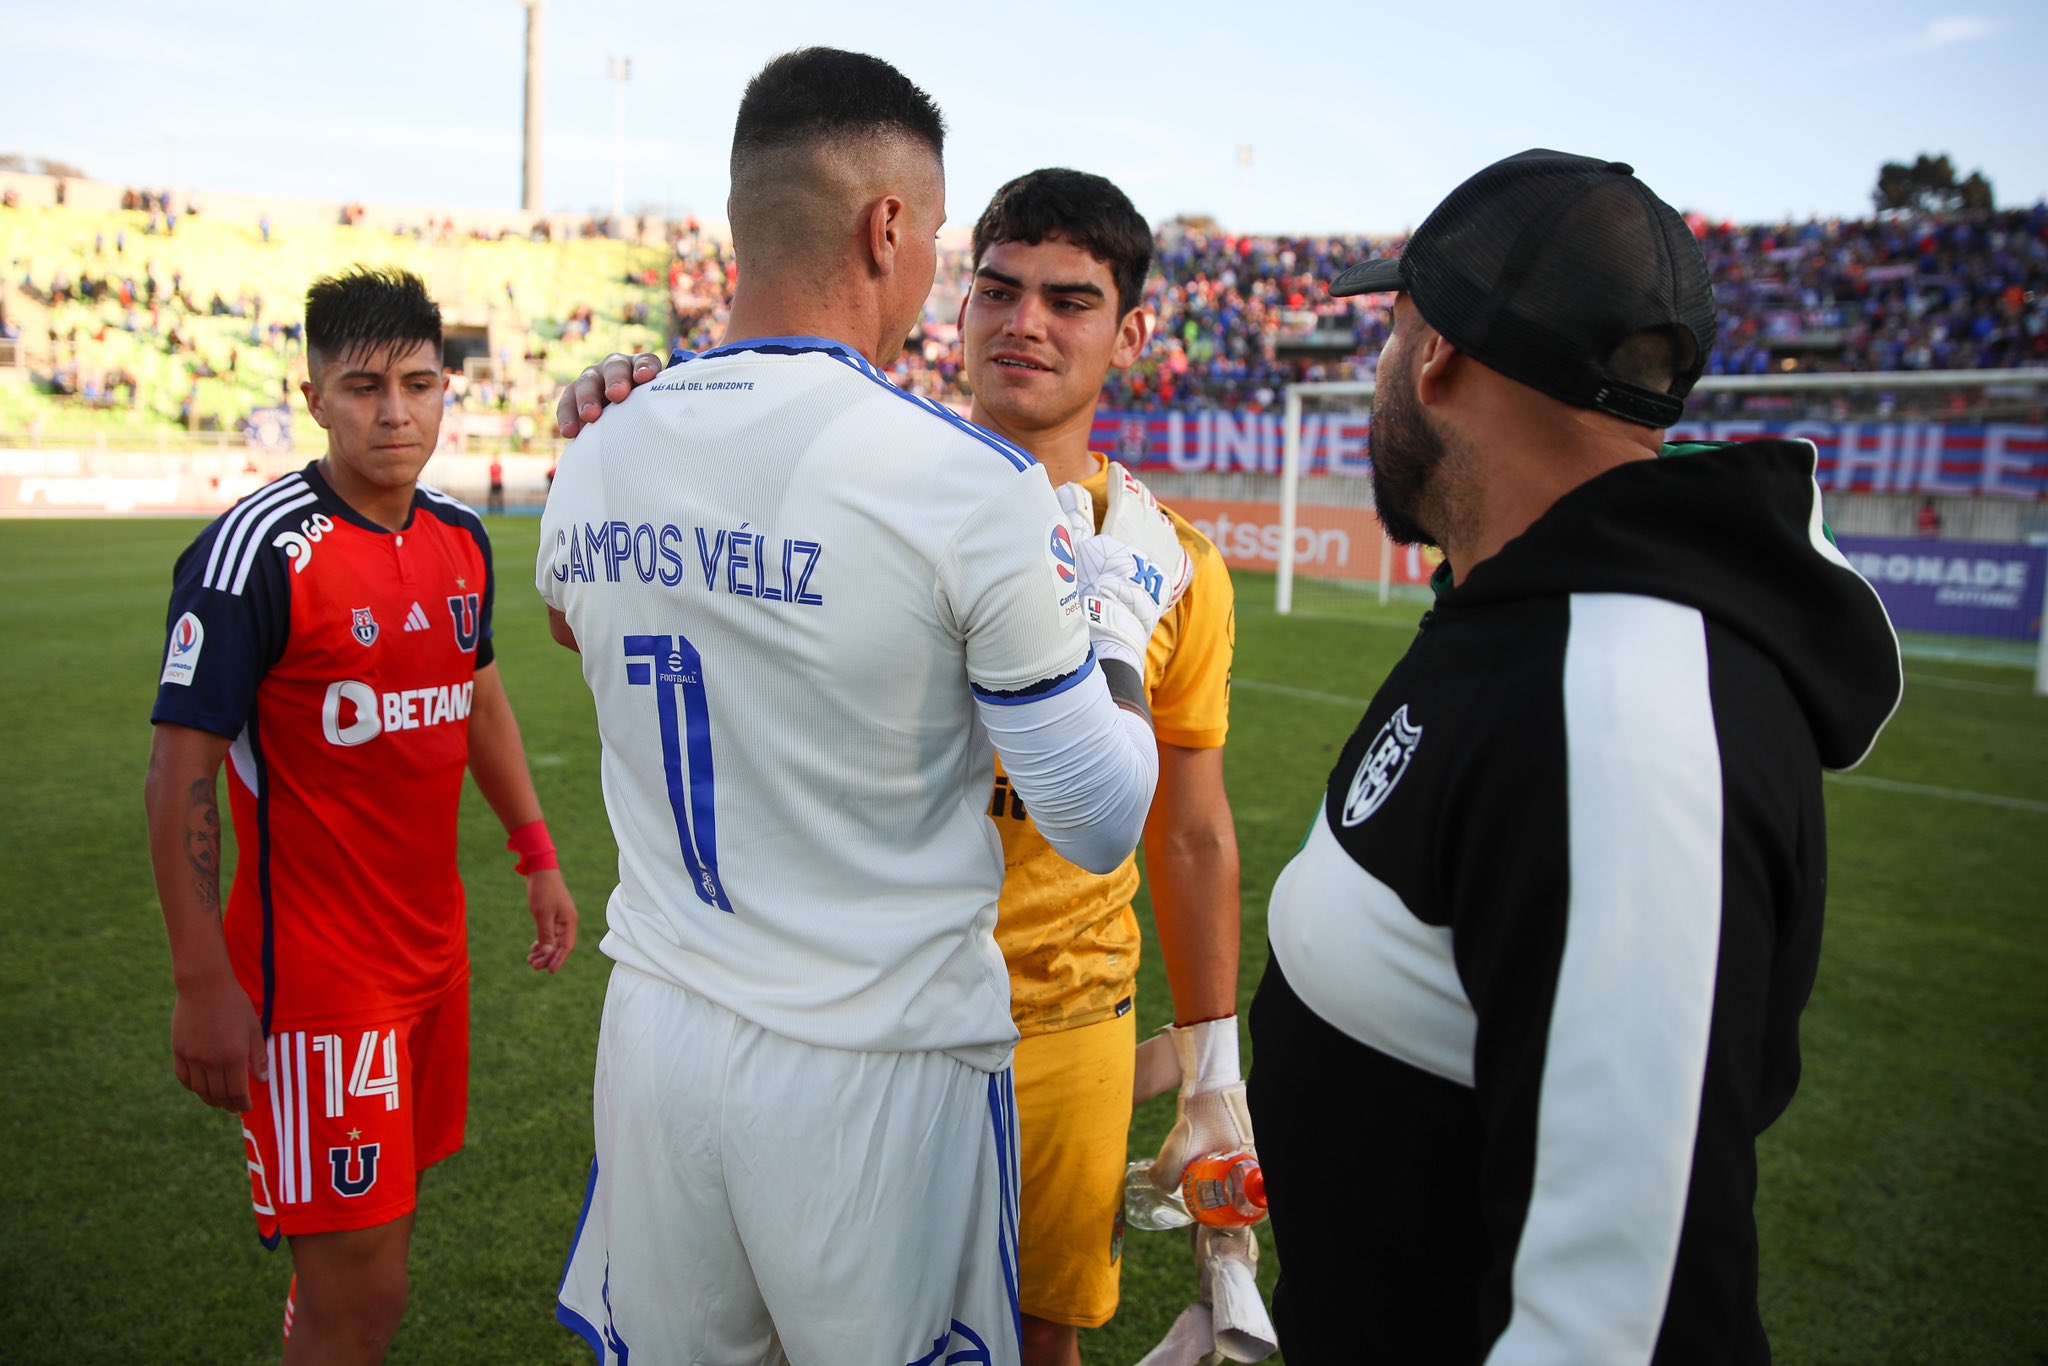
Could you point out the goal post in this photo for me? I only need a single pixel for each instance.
(1939, 479)
(1290, 483)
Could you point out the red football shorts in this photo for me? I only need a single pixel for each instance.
(353, 1114)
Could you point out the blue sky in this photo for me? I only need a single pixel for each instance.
(1358, 117)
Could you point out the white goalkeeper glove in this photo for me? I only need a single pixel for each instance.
(1132, 515)
(1227, 1260)
(1125, 587)
(1120, 615)
(1210, 1115)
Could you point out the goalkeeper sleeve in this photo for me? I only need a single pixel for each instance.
(1084, 766)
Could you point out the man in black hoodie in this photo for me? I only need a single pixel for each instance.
(1536, 974)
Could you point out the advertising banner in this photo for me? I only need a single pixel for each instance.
(1329, 542)
(1955, 587)
(1926, 459)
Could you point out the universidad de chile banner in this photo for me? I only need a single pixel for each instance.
(1928, 459)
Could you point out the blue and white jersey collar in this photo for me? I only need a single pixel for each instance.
(775, 346)
(846, 355)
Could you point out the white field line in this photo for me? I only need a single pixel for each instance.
(1948, 794)
(1963, 684)
(1283, 690)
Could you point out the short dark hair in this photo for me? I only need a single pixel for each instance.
(816, 93)
(1074, 206)
(365, 310)
(1653, 358)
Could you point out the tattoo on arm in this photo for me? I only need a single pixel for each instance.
(202, 841)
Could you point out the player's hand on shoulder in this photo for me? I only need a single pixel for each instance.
(605, 383)
(217, 1043)
(554, 920)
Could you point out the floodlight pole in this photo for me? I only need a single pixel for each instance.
(530, 197)
(619, 70)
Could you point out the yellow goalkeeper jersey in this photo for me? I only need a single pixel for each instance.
(1070, 937)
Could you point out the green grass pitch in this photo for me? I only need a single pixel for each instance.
(1903, 1203)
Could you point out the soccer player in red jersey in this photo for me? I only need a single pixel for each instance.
(330, 635)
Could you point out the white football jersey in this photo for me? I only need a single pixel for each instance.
(790, 580)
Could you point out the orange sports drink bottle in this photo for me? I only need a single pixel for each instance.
(1225, 1190)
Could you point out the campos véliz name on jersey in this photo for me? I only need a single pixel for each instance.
(736, 560)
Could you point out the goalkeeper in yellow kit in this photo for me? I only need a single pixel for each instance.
(1060, 259)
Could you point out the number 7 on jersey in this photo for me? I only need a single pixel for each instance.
(672, 667)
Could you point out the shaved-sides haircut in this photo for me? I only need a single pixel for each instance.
(812, 127)
(365, 312)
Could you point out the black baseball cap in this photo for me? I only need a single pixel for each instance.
(1542, 264)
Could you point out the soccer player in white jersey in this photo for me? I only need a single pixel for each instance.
(806, 602)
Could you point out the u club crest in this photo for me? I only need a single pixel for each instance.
(1386, 759)
(365, 626)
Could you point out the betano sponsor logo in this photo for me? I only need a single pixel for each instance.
(355, 713)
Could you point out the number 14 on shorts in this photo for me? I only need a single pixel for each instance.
(374, 1072)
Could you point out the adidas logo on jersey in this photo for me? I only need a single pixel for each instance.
(416, 619)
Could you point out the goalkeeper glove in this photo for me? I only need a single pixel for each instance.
(1132, 515)
(1125, 589)
(1210, 1115)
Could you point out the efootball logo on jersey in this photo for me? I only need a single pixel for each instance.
(1386, 759)
(181, 661)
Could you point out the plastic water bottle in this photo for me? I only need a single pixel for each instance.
(1225, 1190)
(1148, 1207)
(1222, 1190)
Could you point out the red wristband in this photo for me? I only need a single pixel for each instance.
(535, 849)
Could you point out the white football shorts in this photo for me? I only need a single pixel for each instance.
(760, 1200)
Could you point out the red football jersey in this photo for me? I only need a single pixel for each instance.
(341, 658)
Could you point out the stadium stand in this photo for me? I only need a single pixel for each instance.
(134, 327)
(134, 318)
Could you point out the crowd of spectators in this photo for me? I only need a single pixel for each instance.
(1238, 317)
(1962, 293)
(175, 333)
(154, 308)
